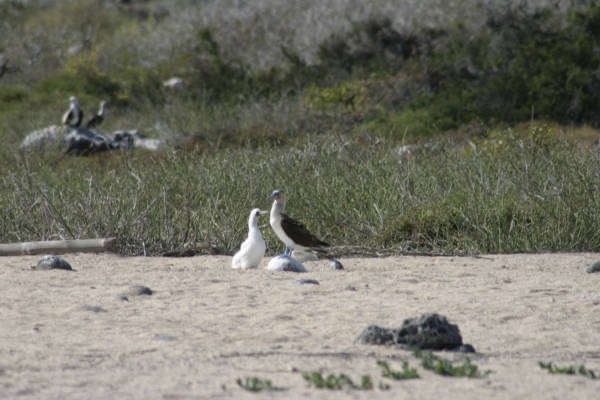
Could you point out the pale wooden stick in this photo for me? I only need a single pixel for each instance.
(58, 247)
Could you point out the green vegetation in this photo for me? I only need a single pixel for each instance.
(570, 370)
(254, 384)
(406, 373)
(506, 193)
(324, 116)
(445, 367)
(337, 382)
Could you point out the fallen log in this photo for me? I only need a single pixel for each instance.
(58, 247)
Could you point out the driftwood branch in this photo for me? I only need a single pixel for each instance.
(58, 247)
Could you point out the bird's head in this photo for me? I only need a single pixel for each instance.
(278, 195)
(255, 213)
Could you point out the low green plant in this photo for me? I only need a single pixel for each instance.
(406, 373)
(349, 95)
(442, 366)
(337, 382)
(569, 370)
(254, 384)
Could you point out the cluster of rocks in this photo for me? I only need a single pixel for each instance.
(82, 141)
(429, 331)
(50, 261)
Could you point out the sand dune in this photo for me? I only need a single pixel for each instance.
(70, 335)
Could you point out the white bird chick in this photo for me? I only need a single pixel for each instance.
(253, 248)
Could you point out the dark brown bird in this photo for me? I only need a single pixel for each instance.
(97, 118)
(291, 232)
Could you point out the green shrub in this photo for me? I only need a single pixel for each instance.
(570, 370)
(336, 382)
(442, 366)
(523, 64)
(406, 373)
(254, 384)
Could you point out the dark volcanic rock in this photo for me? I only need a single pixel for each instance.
(164, 337)
(595, 267)
(138, 290)
(376, 335)
(429, 331)
(53, 262)
(335, 264)
(306, 282)
(96, 309)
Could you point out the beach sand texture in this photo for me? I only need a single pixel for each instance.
(72, 335)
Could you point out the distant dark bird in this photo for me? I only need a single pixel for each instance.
(73, 116)
(292, 233)
(98, 118)
(5, 68)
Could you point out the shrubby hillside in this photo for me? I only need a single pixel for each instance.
(341, 90)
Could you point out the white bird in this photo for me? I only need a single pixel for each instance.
(253, 248)
(73, 116)
(292, 233)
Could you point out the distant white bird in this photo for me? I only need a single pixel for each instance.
(97, 118)
(253, 248)
(174, 83)
(292, 233)
(73, 116)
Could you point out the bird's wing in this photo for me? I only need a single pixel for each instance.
(67, 116)
(298, 232)
(79, 117)
(245, 244)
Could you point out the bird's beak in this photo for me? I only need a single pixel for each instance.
(271, 197)
(263, 212)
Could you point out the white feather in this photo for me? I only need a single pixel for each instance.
(253, 248)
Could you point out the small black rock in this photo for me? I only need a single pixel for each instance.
(53, 262)
(138, 290)
(595, 267)
(164, 337)
(96, 309)
(374, 334)
(335, 264)
(306, 282)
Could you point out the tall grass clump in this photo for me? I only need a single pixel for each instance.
(506, 193)
(512, 192)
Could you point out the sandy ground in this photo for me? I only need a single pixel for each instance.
(207, 325)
